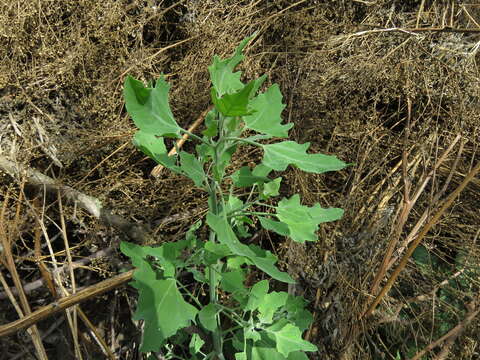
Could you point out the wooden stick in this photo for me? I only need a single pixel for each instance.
(64, 303)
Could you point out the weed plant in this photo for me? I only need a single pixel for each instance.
(248, 322)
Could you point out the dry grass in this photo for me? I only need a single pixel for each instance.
(361, 79)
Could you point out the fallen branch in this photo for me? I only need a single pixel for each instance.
(64, 303)
(92, 205)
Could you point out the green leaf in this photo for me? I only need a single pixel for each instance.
(198, 275)
(160, 303)
(190, 235)
(271, 188)
(224, 80)
(217, 249)
(207, 317)
(252, 333)
(138, 255)
(258, 83)
(261, 170)
(267, 116)
(297, 355)
(236, 262)
(161, 306)
(270, 304)
(149, 107)
(297, 314)
(276, 226)
(235, 104)
(211, 123)
(303, 221)
(170, 162)
(279, 155)
(245, 178)
(232, 281)
(192, 168)
(149, 144)
(219, 170)
(196, 344)
(257, 293)
(422, 257)
(289, 338)
(233, 204)
(265, 349)
(227, 236)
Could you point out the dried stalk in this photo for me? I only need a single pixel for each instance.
(420, 237)
(66, 302)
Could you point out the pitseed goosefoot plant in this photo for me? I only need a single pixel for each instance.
(246, 322)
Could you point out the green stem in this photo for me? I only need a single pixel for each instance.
(212, 279)
(244, 141)
(193, 136)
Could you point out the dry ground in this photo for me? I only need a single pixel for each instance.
(391, 86)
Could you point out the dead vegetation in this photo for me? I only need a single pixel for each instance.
(391, 86)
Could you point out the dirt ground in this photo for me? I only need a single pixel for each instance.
(391, 86)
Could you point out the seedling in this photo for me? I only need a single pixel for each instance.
(247, 322)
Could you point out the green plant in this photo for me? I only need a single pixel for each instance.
(249, 323)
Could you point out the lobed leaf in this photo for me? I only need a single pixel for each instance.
(265, 349)
(279, 155)
(211, 123)
(232, 282)
(192, 168)
(196, 344)
(270, 303)
(160, 303)
(276, 226)
(289, 338)
(244, 178)
(151, 145)
(271, 188)
(257, 293)
(296, 312)
(303, 221)
(149, 107)
(267, 118)
(207, 317)
(224, 80)
(226, 236)
(235, 104)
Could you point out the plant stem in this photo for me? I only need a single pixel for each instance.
(193, 136)
(244, 141)
(212, 279)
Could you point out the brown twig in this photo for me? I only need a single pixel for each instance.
(435, 199)
(407, 206)
(25, 311)
(34, 285)
(66, 302)
(135, 232)
(72, 314)
(388, 259)
(452, 334)
(44, 271)
(448, 202)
